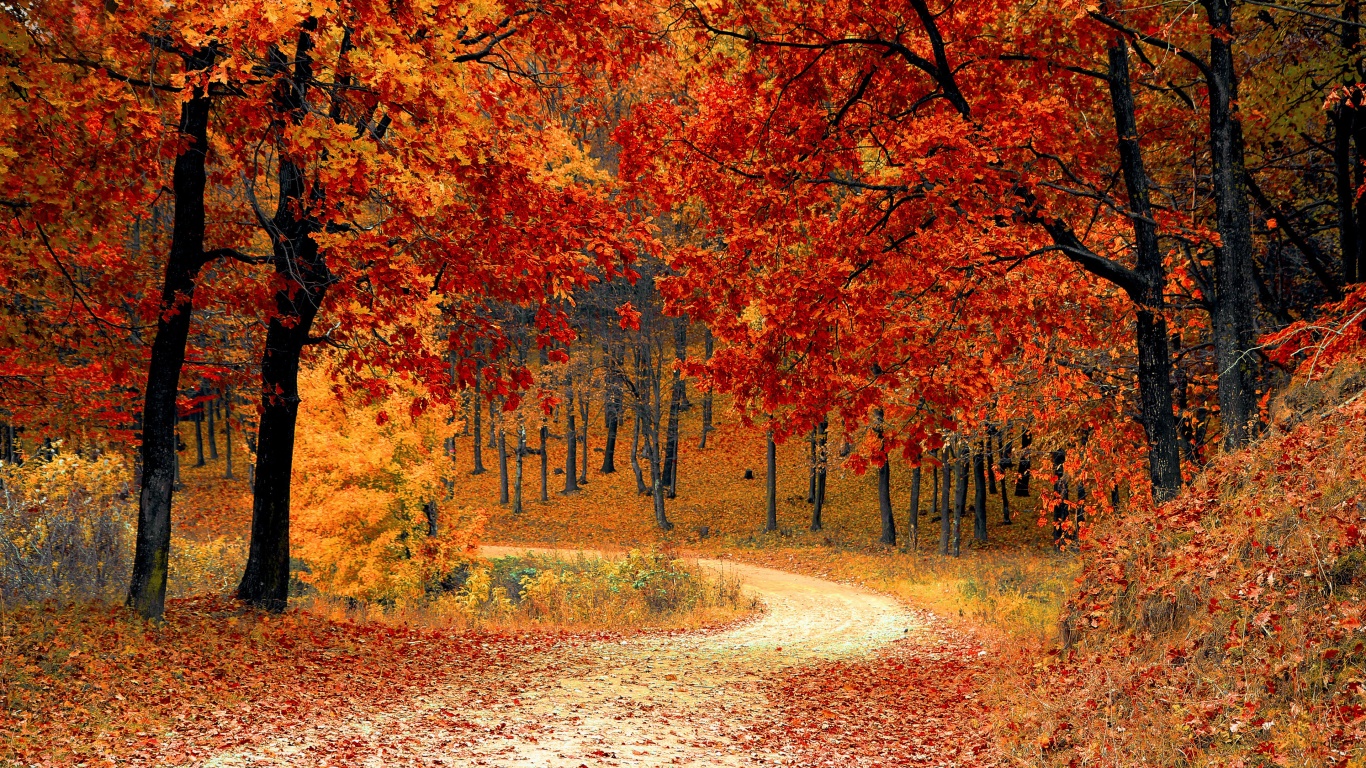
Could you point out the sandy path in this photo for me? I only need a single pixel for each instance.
(643, 702)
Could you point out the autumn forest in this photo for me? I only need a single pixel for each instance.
(709, 383)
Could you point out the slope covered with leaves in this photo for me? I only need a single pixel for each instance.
(1227, 628)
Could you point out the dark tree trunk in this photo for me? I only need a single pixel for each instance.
(979, 496)
(611, 407)
(945, 493)
(1235, 305)
(1358, 99)
(583, 441)
(1154, 358)
(227, 435)
(199, 437)
(1060, 512)
(652, 455)
(1022, 482)
(771, 482)
(545, 464)
(811, 484)
(147, 591)
(641, 488)
(212, 427)
(432, 512)
(1343, 118)
(302, 271)
(1005, 501)
(676, 394)
(571, 438)
(517, 480)
(884, 502)
(1145, 283)
(913, 524)
(960, 500)
(478, 436)
(822, 453)
(707, 346)
(503, 495)
(493, 434)
(991, 467)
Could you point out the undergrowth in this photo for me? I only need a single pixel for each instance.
(1226, 629)
(638, 590)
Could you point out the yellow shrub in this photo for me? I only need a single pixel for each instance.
(65, 527)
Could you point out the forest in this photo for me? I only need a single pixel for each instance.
(682, 382)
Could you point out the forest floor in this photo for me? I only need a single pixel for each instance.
(828, 674)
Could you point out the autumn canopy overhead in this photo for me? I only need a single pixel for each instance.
(953, 244)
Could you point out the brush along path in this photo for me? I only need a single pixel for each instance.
(827, 674)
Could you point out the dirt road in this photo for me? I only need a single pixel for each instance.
(690, 699)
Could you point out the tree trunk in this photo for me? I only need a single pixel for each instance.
(979, 496)
(503, 495)
(811, 480)
(945, 494)
(571, 437)
(960, 500)
(199, 437)
(991, 468)
(641, 488)
(611, 407)
(676, 395)
(656, 476)
(517, 480)
(822, 453)
(493, 433)
(545, 464)
(1005, 501)
(1343, 117)
(478, 436)
(884, 501)
(432, 513)
(913, 539)
(1154, 358)
(771, 481)
(707, 345)
(213, 439)
(147, 590)
(227, 435)
(1235, 315)
(583, 440)
(1358, 97)
(302, 272)
(1022, 482)
(1060, 512)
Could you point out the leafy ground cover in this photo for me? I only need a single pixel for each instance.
(1226, 630)
(88, 684)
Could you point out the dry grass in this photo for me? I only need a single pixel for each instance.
(578, 593)
(1015, 593)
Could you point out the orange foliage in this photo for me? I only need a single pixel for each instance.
(360, 495)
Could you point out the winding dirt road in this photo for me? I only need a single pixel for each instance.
(689, 699)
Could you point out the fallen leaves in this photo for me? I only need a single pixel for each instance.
(93, 683)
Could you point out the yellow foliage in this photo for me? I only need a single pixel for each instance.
(65, 527)
(361, 490)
